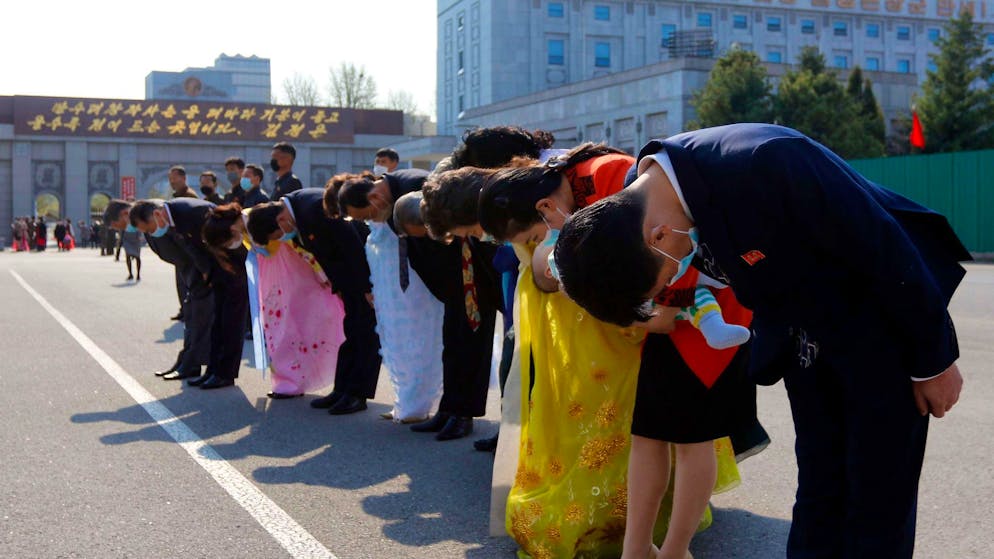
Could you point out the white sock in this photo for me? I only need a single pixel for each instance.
(721, 335)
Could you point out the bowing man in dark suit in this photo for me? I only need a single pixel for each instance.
(337, 245)
(850, 285)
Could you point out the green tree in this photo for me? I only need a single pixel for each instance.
(811, 99)
(860, 90)
(956, 105)
(737, 91)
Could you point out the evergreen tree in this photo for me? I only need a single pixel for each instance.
(811, 100)
(737, 91)
(860, 90)
(956, 106)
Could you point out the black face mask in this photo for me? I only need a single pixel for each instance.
(207, 190)
(275, 166)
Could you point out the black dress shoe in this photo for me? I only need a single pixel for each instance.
(456, 428)
(215, 382)
(326, 402)
(178, 316)
(282, 396)
(347, 404)
(179, 375)
(433, 425)
(486, 445)
(199, 380)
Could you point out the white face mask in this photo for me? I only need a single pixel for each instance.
(379, 170)
(235, 243)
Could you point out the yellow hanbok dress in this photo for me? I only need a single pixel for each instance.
(569, 496)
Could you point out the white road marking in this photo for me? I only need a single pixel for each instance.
(297, 541)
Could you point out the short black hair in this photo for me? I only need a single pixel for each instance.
(286, 147)
(211, 174)
(142, 210)
(114, 208)
(355, 193)
(604, 263)
(508, 198)
(236, 161)
(178, 169)
(452, 199)
(262, 221)
(496, 146)
(256, 170)
(389, 153)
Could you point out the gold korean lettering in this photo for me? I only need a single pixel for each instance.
(333, 117)
(191, 112)
(133, 109)
(299, 115)
(296, 129)
(917, 7)
(151, 110)
(268, 114)
(153, 127)
(60, 108)
(871, 5)
(284, 115)
(37, 123)
(819, 3)
(247, 114)
(136, 127)
(318, 131)
(846, 4)
(73, 123)
(944, 8)
(226, 128)
(232, 114)
(214, 113)
(194, 127)
(113, 109)
(177, 128)
(170, 111)
(95, 108)
(97, 125)
(55, 123)
(968, 6)
(272, 130)
(78, 108)
(113, 125)
(207, 128)
(894, 5)
(319, 116)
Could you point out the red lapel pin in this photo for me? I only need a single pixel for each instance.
(752, 257)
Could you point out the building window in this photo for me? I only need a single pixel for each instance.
(602, 55)
(932, 66)
(840, 29)
(774, 56)
(903, 33)
(904, 66)
(934, 33)
(873, 30)
(462, 105)
(773, 24)
(667, 30)
(872, 63)
(556, 9)
(703, 19)
(740, 21)
(841, 61)
(808, 26)
(557, 52)
(990, 39)
(460, 21)
(461, 61)
(602, 13)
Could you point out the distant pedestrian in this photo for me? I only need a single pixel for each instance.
(131, 240)
(283, 156)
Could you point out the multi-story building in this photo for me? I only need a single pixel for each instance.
(584, 67)
(240, 79)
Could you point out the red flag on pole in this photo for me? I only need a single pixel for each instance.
(917, 133)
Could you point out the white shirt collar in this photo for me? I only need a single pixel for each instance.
(169, 215)
(289, 207)
(663, 159)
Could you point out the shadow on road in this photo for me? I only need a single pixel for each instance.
(171, 334)
(740, 533)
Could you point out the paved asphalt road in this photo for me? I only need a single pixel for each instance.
(86, 472)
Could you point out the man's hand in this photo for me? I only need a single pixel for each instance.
(938, 395)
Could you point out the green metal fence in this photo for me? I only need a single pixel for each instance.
(958, 185)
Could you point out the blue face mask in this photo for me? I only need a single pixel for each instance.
(246, 183)
(159, 230)
(551, 241)
(682, 263)
(488, 238)
(130, 229)
(287, 237)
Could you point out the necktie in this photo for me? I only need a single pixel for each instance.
(405, 272)
(469, 287)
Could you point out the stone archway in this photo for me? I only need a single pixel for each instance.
(98, 203)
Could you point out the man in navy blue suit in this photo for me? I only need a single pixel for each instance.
(850, 285)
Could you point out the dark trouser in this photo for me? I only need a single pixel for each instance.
(466, 356)
(860, 446)
(199, 314)
(358, 366)
(181, 291)
(228, 326)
